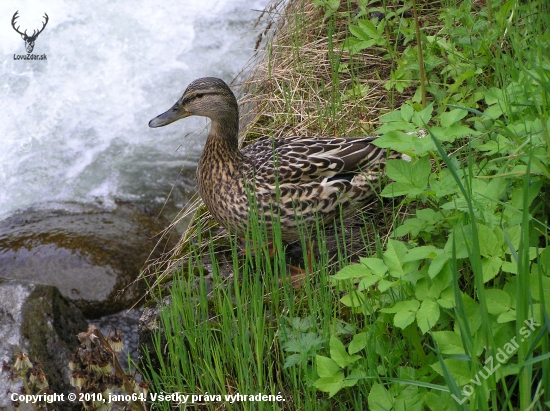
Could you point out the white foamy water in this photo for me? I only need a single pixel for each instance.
(74, 127)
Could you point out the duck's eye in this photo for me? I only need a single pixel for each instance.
(200, 95)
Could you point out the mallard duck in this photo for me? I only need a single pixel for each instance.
(300, 180)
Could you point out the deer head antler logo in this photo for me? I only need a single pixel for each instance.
(29, 40)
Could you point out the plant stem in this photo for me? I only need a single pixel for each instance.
(420, 59)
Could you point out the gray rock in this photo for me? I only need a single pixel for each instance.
(93, 256)
(127, 322)
(39, 321)
(149, 325)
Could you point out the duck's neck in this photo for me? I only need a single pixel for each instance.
(222, 142)
(220, 161)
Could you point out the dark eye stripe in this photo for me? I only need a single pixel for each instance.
(189, 99)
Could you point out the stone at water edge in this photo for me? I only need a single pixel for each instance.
(88, 253)
(38, 321)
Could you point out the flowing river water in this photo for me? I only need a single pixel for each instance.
(73, 127)
(82, 176)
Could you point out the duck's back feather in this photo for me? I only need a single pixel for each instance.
(301, 159)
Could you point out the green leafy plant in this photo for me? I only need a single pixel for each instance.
(466, 271)
(331, 370)
(330, 6)
(449, 310)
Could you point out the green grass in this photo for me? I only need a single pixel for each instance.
(447, 306)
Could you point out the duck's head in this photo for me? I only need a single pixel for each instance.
(207, 97)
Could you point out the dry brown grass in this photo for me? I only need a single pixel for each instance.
(293, 87)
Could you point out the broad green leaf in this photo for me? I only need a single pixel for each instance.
(361, 45)
(376, 265)
(302, 324)
(398, 189)
(503, 333)
(383, 285)
(331, 384)
(359, 32)
(440, 282)
(513, 235)
(451, 117)
(352, 271)
(423, 145)
(498, 301)
(447, 298)
(437, 264)
(440, 133)
(379, 398)
(339, 354)
(409, 399)
(368, 27)
(507, 317)
(399, 170)
(444, 185)
(495, 190)
(393, 257)
(410, 179)
(439, 401)
(473, 313)
(421, 171)
(353, 299)
(535, 282)
(493, 96)
(411, 226)
(488, 243)
(304, 342)
(367, 282)
(392, 116)
(459, 370)
(494, 112)
(408, 305)
(534, 252)
(353, 378)
(422, 118)
(394, 139)
(429, 215)
(420, 253)
(490, 267)
(412, 273)
(427, 315)
(545, 259)
(406, 112)
(510, 267)
(448, 342)
(491, 147)
(326, 367)
(358, 342)
(456, 131)
(421, 289)
(458, 235)
(403, 319)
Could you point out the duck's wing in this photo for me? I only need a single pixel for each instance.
(301, 159)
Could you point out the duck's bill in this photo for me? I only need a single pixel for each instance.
(174, 114)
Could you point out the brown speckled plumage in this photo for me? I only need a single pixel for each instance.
(308, 177)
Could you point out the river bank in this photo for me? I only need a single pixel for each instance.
(451, 269)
